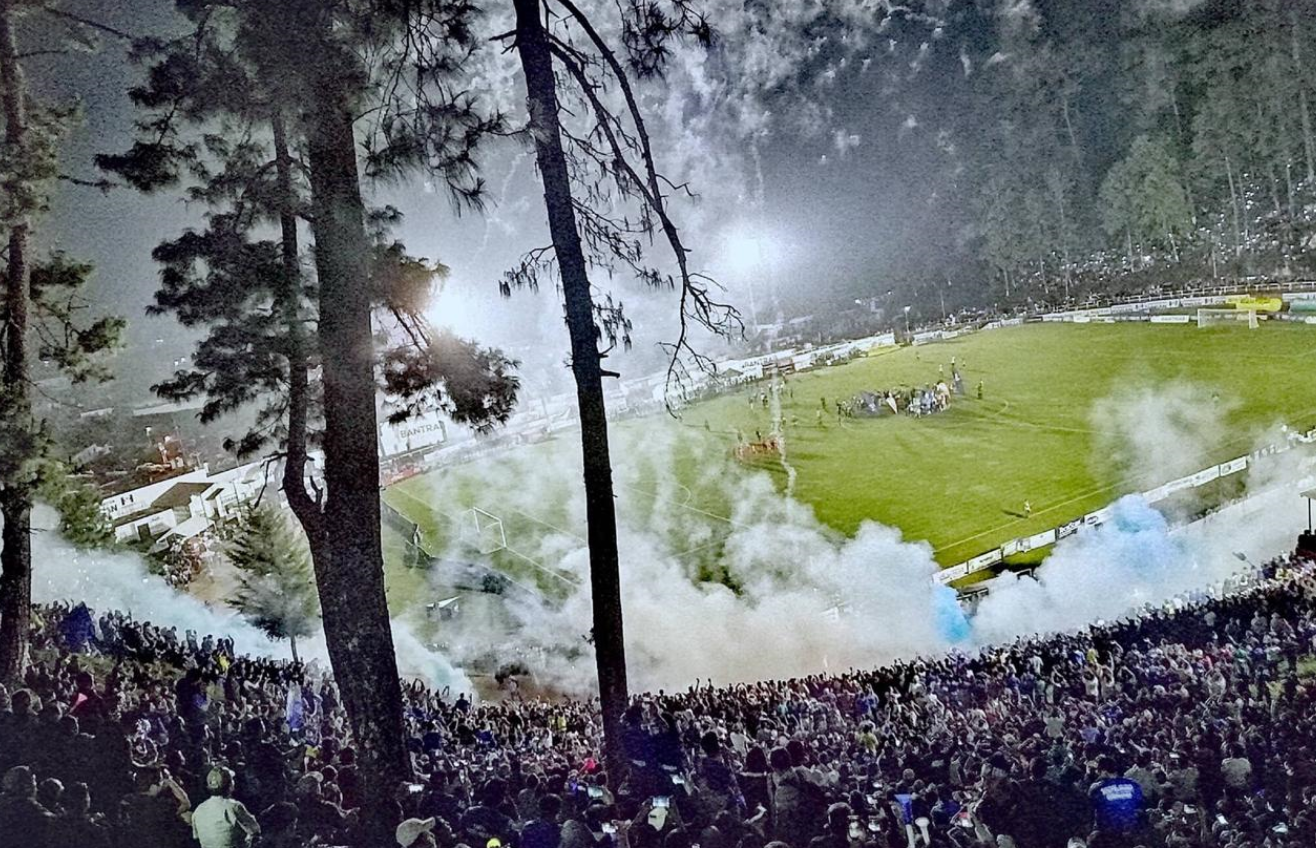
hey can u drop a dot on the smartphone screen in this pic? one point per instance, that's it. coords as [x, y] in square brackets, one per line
[906, 803]
[662, 801]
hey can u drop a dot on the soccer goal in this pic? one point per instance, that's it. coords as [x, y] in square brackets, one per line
[1219, 317]
[483, 531]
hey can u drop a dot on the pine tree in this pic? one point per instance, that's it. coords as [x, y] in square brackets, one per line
[276, 585]
[258, 107]
[1144, 200]
[40, 308]
[79, 505]
[609, 163]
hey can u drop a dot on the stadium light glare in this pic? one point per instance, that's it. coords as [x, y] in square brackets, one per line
[746, 253]
[453, 308]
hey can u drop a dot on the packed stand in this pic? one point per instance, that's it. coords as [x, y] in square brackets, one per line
[1191, 725]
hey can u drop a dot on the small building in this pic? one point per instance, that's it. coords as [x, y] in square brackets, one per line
[185, 505]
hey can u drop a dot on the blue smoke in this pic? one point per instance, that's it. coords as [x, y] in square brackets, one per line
[951, 622]
[1136, 541]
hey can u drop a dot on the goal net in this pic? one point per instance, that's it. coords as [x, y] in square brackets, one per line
[483, 531]
[1223, 317]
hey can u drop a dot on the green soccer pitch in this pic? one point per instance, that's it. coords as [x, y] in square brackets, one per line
[958, 479]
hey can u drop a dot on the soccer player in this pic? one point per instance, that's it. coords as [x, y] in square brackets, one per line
[1028, 509]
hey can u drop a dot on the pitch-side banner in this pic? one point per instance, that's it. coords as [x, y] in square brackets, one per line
[1260, 304]
[955, 572]
[1233, 466]
[1069, 528]
[1100, 516]
[1041, 540]
[1181, 484]
[423, 431]
[1160, 493]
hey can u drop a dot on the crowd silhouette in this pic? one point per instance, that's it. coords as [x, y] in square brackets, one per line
[1188, 724]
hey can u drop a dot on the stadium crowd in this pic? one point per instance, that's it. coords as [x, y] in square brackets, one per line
[1186, 726]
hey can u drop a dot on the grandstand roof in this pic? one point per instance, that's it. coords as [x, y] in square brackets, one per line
[179, 495]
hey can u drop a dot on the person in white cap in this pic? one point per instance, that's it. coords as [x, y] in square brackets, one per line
[416, 833]
[220, 821]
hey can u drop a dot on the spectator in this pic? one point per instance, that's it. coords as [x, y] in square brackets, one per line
[1236, 770]
[20, 813]
[543, 831]
[941, 737]
[1116, 801]
[220, 821]
[76, 825]
[416, 833]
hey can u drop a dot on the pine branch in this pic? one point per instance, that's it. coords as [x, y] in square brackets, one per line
[101, 185]
[87, 22]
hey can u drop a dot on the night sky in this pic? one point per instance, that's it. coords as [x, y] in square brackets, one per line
[844, 119]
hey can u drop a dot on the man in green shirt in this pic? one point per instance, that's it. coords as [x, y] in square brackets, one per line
[220, 821]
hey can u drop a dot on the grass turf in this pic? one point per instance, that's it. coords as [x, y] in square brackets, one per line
[958, 479]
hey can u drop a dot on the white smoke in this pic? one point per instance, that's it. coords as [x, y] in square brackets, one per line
[108, 581]
[1151, 434]
[1136, 559]
[692, 522]
[792, 573]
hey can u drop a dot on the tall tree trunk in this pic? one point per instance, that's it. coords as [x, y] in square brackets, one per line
[1304, 109]
[350, 569]
[1069, 130]
[16, 493]
[1292, 215]
[586, 366]
[289, 297]
[1064, 235]
[1239, 222]
[292, 646]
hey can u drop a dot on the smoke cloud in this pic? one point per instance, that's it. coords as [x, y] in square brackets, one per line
[120, 581]
[807, 599]
[727, 579]
[1152, 434]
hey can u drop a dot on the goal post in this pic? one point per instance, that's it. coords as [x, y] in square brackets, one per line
[1222, 317]
[483, 531]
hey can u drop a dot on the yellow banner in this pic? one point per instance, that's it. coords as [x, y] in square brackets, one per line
[1259, 304]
